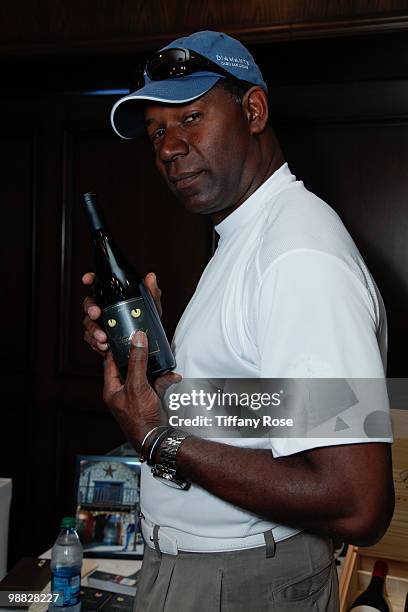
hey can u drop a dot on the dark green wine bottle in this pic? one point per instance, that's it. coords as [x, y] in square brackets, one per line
[373, 597]
[125, 301]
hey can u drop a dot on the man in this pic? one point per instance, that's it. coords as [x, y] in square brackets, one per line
[286, 295]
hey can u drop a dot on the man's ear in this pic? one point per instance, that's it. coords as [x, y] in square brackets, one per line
[255, 106]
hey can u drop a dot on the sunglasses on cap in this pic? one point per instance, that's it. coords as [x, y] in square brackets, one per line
[174, 63]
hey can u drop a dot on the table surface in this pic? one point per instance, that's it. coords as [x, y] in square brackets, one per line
[115, 566]
[123, 567]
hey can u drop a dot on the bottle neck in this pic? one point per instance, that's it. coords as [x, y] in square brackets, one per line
[115, 279]
[107, 255]
[93, 213]
[378, 577]
[106, 252]
[68, 530]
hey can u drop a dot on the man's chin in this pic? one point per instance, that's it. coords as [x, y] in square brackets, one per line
[195, 203]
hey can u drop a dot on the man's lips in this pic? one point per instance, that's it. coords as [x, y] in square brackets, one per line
[184, 179]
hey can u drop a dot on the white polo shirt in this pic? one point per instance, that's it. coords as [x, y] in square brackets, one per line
[286, 295]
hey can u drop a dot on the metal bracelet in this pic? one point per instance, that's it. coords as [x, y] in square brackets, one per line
[145, 438]
[144, 455]
[156, 442]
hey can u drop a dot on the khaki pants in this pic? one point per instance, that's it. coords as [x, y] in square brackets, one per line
[300, 576]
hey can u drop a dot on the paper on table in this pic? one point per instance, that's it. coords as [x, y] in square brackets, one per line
[124, 567]
[119, 567]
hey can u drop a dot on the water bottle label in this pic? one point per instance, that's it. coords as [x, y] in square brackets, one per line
[67, 587]
[121, 321]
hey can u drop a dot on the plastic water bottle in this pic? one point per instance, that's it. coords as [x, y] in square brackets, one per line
[66, 563]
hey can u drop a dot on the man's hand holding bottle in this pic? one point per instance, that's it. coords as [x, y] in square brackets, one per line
[135, 404]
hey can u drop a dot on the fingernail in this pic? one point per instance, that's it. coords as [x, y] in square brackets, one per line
[100, 336]
[139, 339]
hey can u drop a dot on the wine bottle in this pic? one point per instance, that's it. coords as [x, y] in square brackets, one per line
[125, 301]
[372, 599]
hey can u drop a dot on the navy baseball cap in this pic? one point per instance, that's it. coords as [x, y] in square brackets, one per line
[226, 52]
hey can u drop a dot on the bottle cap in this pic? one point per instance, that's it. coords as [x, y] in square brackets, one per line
[93, 212]
[68, 522]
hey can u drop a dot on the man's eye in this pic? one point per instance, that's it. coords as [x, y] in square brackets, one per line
[192, 117]
[156, 135]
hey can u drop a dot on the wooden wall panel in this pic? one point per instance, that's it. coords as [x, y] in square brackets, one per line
[15, 453]
[18, 160]
[17, 157]
[43, 26]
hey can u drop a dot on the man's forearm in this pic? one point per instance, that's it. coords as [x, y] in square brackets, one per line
[308, 490]
[284, 490]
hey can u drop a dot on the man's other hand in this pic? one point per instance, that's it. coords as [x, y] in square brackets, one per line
[93, 333]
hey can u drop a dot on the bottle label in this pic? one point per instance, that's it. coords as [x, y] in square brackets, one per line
[66, 582]
[121, 321]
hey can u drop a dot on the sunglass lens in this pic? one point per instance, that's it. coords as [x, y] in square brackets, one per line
[167, 64]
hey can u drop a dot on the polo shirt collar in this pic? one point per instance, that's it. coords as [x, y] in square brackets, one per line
[242, 215]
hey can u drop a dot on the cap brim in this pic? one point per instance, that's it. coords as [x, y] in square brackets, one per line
[127, 115]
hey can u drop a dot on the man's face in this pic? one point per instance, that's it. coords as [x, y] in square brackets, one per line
[202, 150]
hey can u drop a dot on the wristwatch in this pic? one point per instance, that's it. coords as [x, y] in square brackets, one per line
[165, 469]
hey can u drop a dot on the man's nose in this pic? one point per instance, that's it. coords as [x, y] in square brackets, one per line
[173, 145]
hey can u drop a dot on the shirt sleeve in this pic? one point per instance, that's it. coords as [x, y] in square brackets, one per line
[317, 320]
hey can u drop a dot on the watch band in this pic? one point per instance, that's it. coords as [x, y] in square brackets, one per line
[166, 469]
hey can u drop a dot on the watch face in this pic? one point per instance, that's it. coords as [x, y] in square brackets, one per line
[169, 479]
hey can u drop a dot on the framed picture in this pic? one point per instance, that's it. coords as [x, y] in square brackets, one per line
[107, 506]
